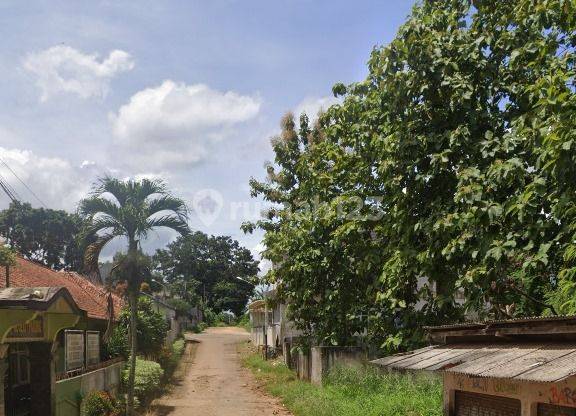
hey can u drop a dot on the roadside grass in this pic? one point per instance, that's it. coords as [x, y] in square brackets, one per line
[349, 392]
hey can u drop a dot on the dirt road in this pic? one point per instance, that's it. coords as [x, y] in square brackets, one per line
[214, 382]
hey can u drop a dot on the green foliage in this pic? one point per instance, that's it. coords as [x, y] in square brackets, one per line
[148, 378]
[7, 256]
[182, 307]
[201, 327]
[43, 235]
[452, 161]
[206, 267]
[151, 330]
[351, 392]
[244, 322]
[100, 403]
[170, 357]
[118, 345]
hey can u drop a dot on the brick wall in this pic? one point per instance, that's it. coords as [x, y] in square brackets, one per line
[552, 410]
[474, 404]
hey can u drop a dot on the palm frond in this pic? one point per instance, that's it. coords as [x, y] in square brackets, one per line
[166, 202]
[94, 205]
[148, 187]
[105, 224]
[92, 253]
[169, 221]
[114, 187]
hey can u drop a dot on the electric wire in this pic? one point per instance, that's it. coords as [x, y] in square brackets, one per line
[23, 183]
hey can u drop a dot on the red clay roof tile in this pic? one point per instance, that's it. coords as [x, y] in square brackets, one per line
[91, 298]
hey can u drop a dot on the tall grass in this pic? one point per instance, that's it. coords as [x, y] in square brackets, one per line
[351, 392]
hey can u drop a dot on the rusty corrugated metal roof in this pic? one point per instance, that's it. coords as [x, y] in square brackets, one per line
[511, 321]
[549, 362]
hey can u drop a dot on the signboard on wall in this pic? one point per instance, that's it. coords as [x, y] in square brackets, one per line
[92, 347]
[29, 331]
[74, 341]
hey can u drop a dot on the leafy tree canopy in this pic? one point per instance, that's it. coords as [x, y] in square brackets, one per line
[207, 267]
[42, 235]
[453, 162]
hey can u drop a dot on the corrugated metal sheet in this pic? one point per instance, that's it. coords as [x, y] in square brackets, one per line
[528, 361]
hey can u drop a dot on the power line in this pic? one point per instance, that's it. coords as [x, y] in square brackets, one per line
[9, 189]
[23, 183]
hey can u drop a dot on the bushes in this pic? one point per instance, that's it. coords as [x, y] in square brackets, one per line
[101, 403]
[350, 392]
[148, 377]
[170, 356]
[151, 328]
[244, 322]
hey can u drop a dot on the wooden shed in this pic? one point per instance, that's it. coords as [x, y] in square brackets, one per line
[521, 367]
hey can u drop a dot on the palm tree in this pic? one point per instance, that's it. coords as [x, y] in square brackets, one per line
[129, 209]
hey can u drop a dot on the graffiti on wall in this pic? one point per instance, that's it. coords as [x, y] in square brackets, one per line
[564, 396]
[488, 385]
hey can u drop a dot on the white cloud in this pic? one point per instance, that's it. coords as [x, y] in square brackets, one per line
[314, 105]
[57, 182]
[174, 125]
[264, 264]
[62, 69]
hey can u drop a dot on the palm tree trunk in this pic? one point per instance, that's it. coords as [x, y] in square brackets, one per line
[133, 294]
[133, 299]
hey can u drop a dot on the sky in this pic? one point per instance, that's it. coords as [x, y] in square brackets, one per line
[187, 91]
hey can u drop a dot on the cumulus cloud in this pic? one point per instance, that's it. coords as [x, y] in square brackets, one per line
[62, 69]
[265, 265]
[312, 106]
[174, 125]
[57, 182]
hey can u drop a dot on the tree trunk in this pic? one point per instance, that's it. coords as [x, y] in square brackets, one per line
[133, 299]
[133, 294]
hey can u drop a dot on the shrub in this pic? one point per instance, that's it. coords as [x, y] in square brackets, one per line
[99, 403]
[170, 357]
[148, 377]
[245, 323]
[151, 328]
[199, 328]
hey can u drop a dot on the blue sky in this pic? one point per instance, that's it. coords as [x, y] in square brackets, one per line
[190, 91]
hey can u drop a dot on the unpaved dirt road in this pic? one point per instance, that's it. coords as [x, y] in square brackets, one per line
[213, 382]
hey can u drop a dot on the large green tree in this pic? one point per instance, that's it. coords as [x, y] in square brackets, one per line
[130, 210]
[461, 138]
[208, 267]
[46, 236]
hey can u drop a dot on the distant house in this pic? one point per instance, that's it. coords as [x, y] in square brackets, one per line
[52, 327]
[269, 322]
[169, 313]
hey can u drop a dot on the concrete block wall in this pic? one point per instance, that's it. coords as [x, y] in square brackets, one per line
[324, 359]
[69, 392]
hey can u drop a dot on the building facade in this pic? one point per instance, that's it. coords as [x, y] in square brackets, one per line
[52, 327]
[523, 367]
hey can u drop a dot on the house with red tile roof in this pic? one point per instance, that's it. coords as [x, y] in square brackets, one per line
[52, 327]
[90, 297]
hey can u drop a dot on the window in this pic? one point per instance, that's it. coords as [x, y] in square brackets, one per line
[92, 347]
[74, 350]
